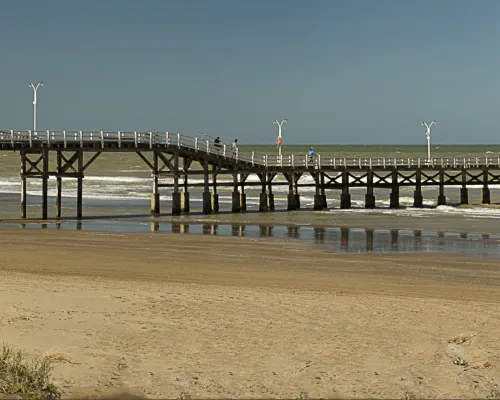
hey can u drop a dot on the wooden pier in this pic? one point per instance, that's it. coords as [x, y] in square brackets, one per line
[182, 157]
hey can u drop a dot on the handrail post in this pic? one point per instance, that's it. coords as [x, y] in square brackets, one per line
[237, 151]
[383, 162]
[178, 140]
[359, 162]
[135, 139]
[150, 139]
[48, 138]
[81, 139]
[418, 162]
[293, 160]
[102, 139]
[224, 150]
[119, 139]
[196, 144]
[12, 137]
[307, 161]
[64, 139]
[30, 138]
[334, 162]
[265, 160]
[167, 139]
[208, 146]
[319, 160]
[370, 163]
[253, 156]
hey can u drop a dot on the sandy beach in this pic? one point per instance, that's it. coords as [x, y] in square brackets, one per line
[180, 316]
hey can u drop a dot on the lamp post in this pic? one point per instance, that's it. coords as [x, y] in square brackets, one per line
[428, 134]
[35, 88]
[279, 139]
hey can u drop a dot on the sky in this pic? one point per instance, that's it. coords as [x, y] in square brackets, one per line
[341, 72]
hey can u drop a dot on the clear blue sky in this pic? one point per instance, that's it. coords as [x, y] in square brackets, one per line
[353, 71]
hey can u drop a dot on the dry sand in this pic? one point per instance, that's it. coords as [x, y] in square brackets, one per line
[174, 316]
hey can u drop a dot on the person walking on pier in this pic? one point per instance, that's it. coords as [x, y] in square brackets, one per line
[217, 143]
[234, 147]
[311, 153]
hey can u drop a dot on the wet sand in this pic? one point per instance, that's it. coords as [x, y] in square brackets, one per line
[179, 316]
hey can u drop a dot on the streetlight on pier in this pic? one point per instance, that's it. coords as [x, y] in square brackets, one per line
[279, 139]
[35, 88]
[428, 134]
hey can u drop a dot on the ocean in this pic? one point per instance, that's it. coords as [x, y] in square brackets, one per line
[117, 193]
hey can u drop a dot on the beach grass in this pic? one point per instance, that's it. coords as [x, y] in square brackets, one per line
[29, 379]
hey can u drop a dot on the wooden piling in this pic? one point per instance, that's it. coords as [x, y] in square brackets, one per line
[23, 185]
[270, 194]
[369, 196]
[394, 196]
[176, 195]
[79, 187]
[155, 196]
[45, 183]
[417, 194]
[263, 205]
[486, 189]
[441, 198]
[345, 197]
[236, 195]
[215, 196]
[207, 196]
[292, 198]
[59, 185]
[464, 193]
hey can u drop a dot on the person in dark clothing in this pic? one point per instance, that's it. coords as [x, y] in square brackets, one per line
[217, 143]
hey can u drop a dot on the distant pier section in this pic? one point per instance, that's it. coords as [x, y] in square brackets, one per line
[182, 157]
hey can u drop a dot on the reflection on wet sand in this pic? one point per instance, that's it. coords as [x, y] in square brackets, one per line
[339, 239]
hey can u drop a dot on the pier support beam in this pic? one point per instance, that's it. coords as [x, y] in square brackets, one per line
[394, 197]
[236, 195]
[45, 183]
[369, 196]
[176, 195]
[243, 198]
[322, 189]
[59, 186]
[418, 199]
[263, 199]
[23, 185]
[345, 197]
[464, 193]
[441, 198]
[270, 196]
[292, 197]
[185, 206]
[215, 196]
[207, 196]
[155, 197]
[79, 187]
[486, 190]
[319, 198]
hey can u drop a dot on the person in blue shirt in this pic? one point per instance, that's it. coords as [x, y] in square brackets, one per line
[311, 154]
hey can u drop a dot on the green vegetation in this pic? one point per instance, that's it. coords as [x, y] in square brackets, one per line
[29, 379]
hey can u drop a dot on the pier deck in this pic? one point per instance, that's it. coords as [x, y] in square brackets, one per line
[180, 157]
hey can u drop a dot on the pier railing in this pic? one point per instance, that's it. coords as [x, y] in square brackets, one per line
[153, 140]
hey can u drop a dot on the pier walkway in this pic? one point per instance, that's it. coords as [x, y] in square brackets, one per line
[180, 156]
